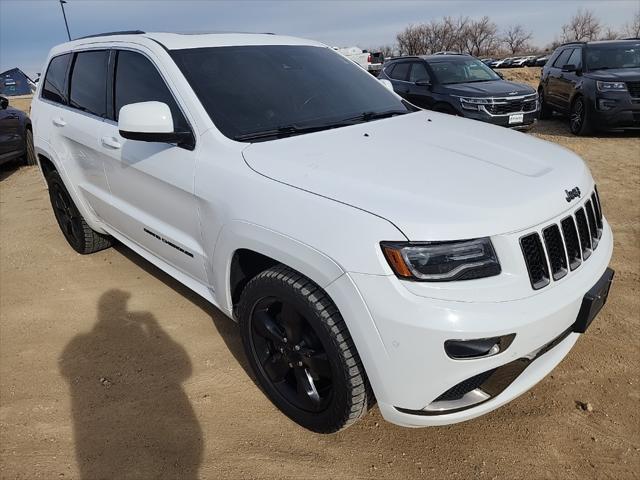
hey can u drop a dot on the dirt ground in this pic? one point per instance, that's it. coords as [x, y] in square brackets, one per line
[111, 369]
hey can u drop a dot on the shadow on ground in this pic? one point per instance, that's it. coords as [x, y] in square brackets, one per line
[131, 417]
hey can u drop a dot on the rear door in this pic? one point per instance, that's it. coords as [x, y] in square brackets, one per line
[555, 86]
[152, 184]
[76, 111]
[398, 77]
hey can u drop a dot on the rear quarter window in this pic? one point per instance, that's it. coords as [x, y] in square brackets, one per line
[88, 82]
[53, 87]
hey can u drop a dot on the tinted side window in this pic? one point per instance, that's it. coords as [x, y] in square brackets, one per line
[138, 80]
[53, 88]
[88, 85]
[401, 70]
[418, 72]
[561, 61]
[575, 58]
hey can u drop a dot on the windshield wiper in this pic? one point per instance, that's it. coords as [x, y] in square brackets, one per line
[289, 130]
[279, 132]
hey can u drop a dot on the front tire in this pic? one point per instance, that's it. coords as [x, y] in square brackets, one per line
[579, 121]
[301, 351]
[72, 224]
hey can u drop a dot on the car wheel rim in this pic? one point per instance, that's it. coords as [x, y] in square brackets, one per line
[290, 355]
[69, 222]
[577, 116]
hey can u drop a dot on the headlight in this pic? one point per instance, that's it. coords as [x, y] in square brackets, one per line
[474, 103]
[442, 261]
[611, 86]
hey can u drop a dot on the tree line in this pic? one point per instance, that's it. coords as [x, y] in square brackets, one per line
[482, 37]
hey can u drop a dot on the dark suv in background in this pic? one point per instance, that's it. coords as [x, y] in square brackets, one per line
[462, 85]
[596, 83]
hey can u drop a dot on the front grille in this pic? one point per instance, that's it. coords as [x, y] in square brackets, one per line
[634, 89]
[555, 249]
[507, 106]
[569, 243]
[535, 259]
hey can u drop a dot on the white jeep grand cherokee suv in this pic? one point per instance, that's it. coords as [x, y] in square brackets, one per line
[370, 251]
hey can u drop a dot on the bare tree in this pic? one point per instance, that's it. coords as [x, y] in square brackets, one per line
[516, 39]
[632, 28]
[480, 37]
[411, 40]
[583, 26]
[609, 34]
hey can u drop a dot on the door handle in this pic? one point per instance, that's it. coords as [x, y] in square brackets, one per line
[111, 142]
[58, 122]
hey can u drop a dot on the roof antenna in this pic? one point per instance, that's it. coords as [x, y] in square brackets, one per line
[62, 2]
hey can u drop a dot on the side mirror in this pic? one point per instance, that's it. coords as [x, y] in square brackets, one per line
[4, 103]
[151, 122]
[423, 83]
[387, 84]
[569, 68]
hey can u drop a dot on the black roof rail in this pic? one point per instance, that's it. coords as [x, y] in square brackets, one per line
[575, 42]
[630, 38]
[107, 34]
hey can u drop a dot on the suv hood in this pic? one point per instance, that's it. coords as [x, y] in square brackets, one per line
[615, 75]
[500, 88]
[435, 176]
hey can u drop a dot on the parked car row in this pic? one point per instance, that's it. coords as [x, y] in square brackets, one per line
[515, 62]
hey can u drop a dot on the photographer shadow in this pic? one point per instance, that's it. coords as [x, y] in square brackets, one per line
[131, 417]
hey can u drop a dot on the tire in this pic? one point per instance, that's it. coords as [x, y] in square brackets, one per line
[73, 226]
[301, 352]
[545, 112]
[579, 121]
[29, 150]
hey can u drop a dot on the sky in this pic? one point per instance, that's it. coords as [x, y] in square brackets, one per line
[29, 28]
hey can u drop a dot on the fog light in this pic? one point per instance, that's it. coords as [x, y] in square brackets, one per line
[606, 104]
[477, 348]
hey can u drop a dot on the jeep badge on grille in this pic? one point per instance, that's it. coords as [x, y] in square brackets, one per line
[573, 193]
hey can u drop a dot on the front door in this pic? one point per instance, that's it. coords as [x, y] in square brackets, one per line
[152, 184]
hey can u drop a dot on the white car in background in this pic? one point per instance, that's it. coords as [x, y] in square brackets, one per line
[370, 251]
[370, 61]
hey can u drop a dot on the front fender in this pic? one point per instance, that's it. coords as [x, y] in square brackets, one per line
[239, 234]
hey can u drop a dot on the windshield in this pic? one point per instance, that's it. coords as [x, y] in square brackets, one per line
[603, 57]
[270, 91]
[462, 70]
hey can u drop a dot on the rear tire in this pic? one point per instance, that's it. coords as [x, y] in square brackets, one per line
[546, 112]
[73, 226]
[29, 150]
[301, 351]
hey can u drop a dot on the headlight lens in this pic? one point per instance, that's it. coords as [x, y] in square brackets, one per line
[471, 103]
[442, 261]
[611, 86]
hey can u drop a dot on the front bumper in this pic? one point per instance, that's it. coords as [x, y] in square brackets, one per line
[623, 112]
[528, 118]
[400, 336]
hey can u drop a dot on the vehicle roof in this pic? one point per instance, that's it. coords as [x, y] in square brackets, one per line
[177, 41]
[604, 42]
[438, 57]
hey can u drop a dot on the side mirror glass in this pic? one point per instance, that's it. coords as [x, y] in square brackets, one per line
[150, 122]
[423, 83]
[4, 103]
[569, 68]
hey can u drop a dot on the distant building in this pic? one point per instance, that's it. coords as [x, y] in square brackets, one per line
[15, 82]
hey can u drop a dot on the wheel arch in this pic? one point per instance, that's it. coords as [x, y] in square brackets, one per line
[246, 249]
